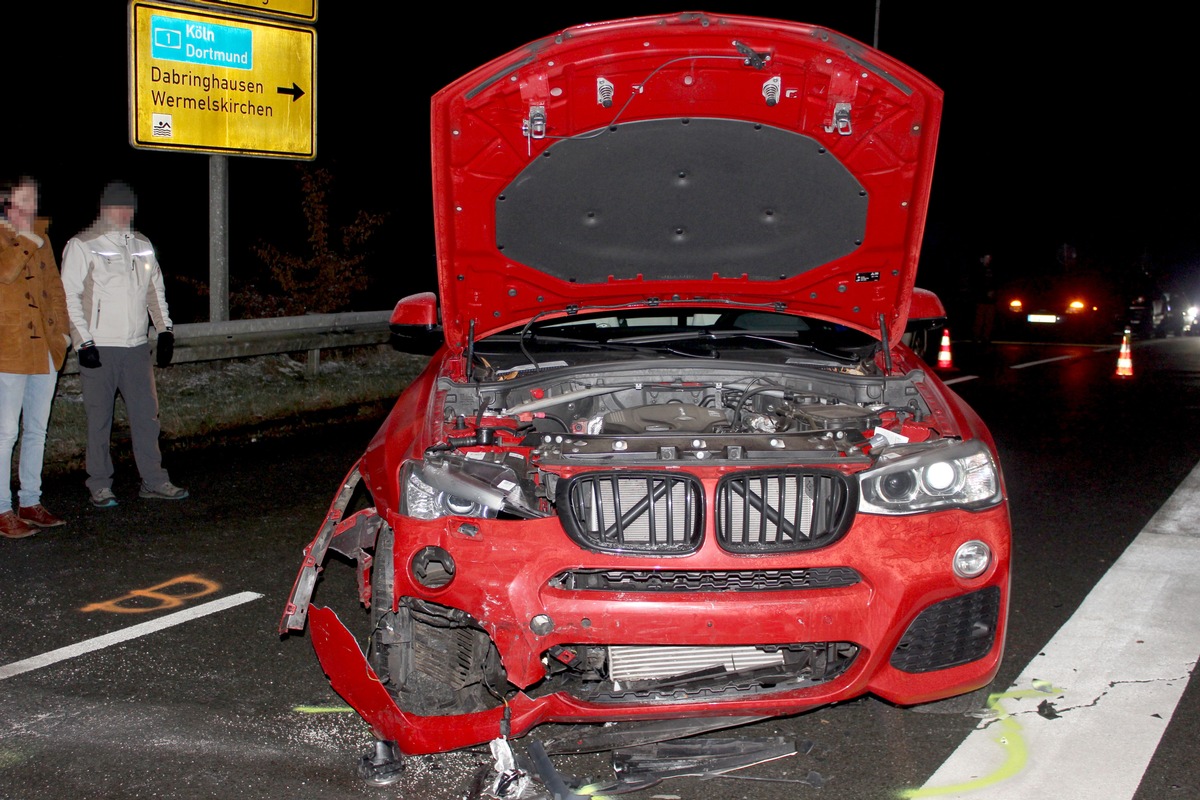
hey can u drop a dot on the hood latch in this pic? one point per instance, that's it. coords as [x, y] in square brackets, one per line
[841, 120]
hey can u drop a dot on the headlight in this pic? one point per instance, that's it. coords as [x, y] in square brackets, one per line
[957, 476]
[421, 499]
[450, 484]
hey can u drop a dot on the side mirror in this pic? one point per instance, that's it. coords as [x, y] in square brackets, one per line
[926, 310]
[416, 309]
[414, 324]
[925, 314]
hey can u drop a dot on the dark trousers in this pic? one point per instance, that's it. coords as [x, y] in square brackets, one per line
[126, 370]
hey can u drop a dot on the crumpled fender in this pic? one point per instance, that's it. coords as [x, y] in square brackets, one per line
[352, 677]
[350, 537]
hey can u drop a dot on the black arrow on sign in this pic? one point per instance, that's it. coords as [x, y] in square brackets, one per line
[296, 92]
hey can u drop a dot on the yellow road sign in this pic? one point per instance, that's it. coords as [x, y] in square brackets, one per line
[295, 9]
[221, 83]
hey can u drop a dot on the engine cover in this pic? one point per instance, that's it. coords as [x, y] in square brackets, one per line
[665, 418]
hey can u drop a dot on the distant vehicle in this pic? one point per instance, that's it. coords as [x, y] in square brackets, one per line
[1157, 313]
[1061, 305]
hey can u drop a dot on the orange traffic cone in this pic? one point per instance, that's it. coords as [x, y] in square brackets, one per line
[1125, 358]
[944, 361]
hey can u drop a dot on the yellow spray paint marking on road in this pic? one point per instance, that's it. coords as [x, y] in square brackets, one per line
[590, 789]
[141, 601]
[323, 709]
[1008, 737]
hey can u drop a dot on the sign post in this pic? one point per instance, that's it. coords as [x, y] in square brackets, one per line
[213, 82]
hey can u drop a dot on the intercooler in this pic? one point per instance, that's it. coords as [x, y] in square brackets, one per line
[632, 663]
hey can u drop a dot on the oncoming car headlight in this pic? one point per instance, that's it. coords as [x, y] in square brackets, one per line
[959, 476]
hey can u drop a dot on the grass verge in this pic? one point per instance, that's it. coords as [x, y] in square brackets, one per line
[205, 402]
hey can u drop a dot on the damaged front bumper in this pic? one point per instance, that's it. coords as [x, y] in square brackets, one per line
[846, 640]
[351, 537]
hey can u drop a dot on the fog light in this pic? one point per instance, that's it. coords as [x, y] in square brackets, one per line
[972, 559]
[433, 567]
[541, 625]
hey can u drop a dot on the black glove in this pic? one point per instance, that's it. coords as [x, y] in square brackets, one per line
[89, 355]
[165, 349]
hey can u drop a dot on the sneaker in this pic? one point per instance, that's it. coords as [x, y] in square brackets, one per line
[104, 498]
[168, 491]
[39, 517]
[11, 526]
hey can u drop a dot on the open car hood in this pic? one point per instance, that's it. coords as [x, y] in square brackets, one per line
[687, 158]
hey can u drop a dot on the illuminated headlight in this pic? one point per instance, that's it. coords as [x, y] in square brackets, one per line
[958, 476]
[972, 559]
[421, 500]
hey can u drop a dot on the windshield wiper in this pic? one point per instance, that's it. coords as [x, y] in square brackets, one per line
[631, 344]
[679, 336]
[532, 338]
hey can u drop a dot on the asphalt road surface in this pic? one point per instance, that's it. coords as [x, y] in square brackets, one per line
[139, 656]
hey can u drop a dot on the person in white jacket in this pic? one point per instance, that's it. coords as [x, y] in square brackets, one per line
[114, 290]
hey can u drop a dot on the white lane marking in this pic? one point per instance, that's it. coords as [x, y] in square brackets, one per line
[124, 635]
[1067, 357]
[1123, 660]
[1042, 361]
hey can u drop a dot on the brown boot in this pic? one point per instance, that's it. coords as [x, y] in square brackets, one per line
[11, 526]
[39, 517]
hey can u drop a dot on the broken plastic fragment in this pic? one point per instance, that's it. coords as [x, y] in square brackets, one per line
[383, 765]
[510, 781]
[589, 739]
[639, 767]
[1047, 710]
[552, 779]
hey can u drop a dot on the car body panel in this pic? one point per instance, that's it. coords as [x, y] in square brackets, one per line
[649, 475]
[678, 187]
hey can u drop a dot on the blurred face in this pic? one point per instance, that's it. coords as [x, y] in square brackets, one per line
[24, 200]
[120, 216]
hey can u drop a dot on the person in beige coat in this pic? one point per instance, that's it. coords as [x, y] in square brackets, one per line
[34, 336]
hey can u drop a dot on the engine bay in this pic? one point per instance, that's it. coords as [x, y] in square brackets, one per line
[670, 414]
[507, 443]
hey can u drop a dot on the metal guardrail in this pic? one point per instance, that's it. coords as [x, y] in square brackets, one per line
[311, 333]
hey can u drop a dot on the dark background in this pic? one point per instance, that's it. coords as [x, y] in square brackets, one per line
[1063, 125]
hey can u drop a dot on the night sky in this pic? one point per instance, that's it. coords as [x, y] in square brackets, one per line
[1061, 125]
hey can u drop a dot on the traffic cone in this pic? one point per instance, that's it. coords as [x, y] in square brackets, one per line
[944, 361]
[1125, 358]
